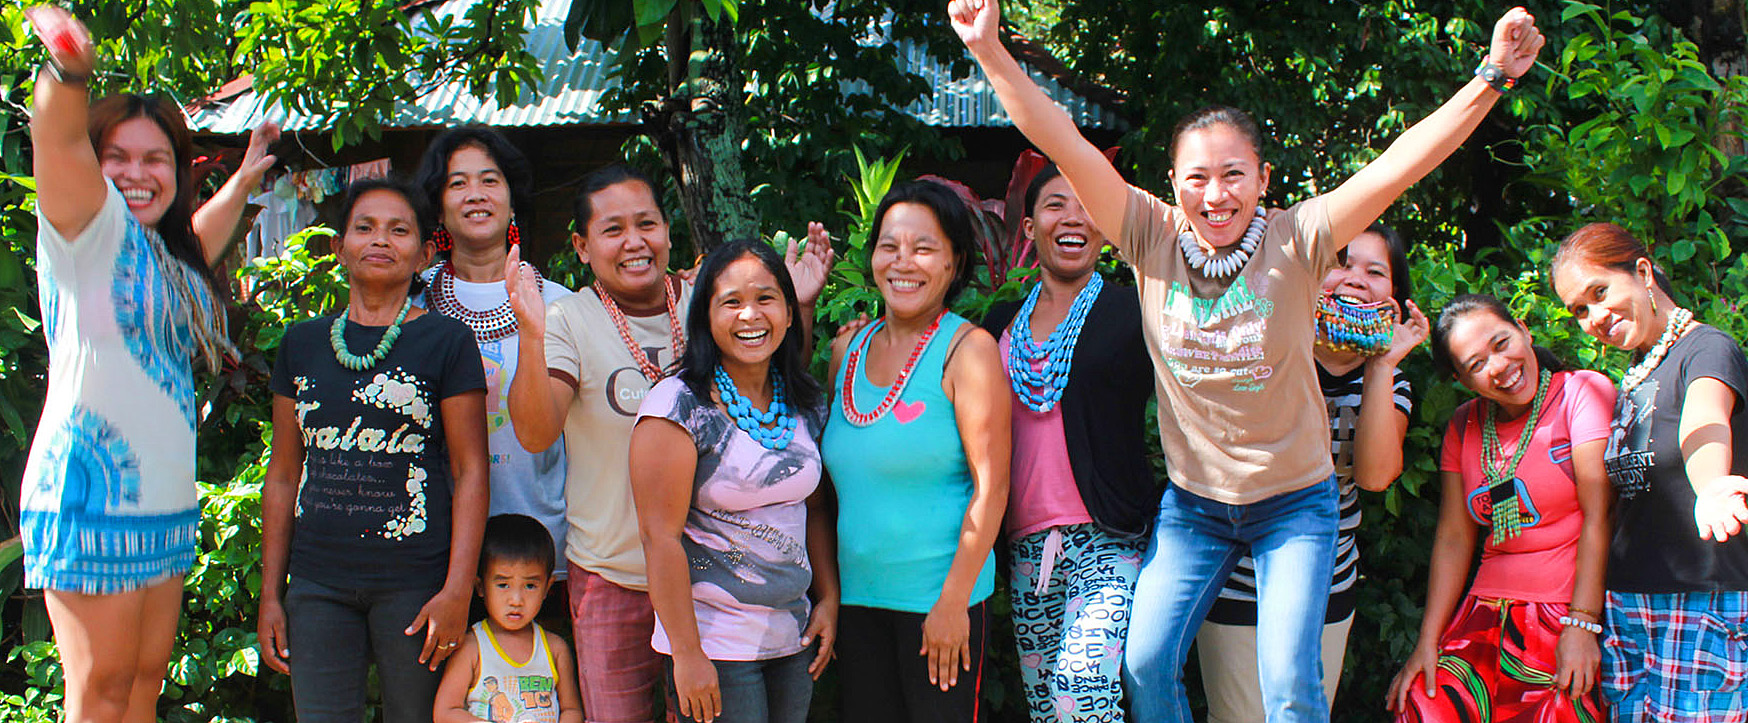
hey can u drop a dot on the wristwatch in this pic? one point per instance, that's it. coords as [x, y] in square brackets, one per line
[1494, 75]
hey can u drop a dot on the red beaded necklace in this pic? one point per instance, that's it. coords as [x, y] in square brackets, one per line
[487, 326]
[650, 371]
[896, 390]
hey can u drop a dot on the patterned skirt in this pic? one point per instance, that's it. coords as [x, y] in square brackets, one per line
[1497, 662]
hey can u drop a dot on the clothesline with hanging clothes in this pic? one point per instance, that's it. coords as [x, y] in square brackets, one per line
[288, 204]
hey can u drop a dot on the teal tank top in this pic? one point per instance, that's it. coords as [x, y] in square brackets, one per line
[902, 485]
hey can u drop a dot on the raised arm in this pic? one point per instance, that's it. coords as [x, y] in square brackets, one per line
[536, 398]
[1362, 199]
[1102, 190]
[69, 180]
[216, 220]
[1378, 435]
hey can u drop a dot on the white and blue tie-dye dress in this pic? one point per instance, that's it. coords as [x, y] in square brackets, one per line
[109, 501]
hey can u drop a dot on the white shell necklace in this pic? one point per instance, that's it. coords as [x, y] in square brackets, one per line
[1228, 264]
[1679, 320]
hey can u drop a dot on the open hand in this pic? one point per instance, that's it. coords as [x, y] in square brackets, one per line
[696, 687]
[822, 624]
[809, 267]
[523, 286]
[1516, 40]
[443, 620]
[1422, 665]
[256, 160]
[1721, 507]
[68, 42]
[1409, 332]
[1578, 661]
[946, 644]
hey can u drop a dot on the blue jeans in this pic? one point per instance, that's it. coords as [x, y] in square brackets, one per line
[335, 634]
[1196, 543]
[778, 690]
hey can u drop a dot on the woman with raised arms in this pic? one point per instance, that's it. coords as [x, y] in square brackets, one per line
[1227, 291]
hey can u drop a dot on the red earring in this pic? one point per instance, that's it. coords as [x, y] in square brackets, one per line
[514, 234]
[442, 239]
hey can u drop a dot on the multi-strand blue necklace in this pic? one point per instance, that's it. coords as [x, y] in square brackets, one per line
[1037, 371]
[772, 428]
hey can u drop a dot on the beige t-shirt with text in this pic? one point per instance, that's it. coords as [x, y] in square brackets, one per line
[583, 344]
[1240, 414]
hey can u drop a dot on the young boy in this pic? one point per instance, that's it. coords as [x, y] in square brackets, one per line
[484, 681]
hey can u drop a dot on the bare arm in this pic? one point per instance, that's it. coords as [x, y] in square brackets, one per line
[444, 618]
[570, 698]
[1452, 549]
[1577, 655]
[216, 220]
[822, 554]
[278, 500]
[537, 399]
[1706, 447]
[1102, 191]
[809, 269]
[459, 677]
[1362, 199]
[661, 485]
[1377, 452]
[70, 183]
[975, 383]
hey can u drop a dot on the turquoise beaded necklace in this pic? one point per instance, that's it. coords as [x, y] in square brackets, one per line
[337, 337]
[772, 428]
[1039, 371]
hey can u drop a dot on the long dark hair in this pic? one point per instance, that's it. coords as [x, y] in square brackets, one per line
[433, 173]
[177, 225]
[950, 212]
[1465, 305]
[698, 363]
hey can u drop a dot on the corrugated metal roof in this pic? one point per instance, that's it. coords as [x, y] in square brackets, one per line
[571, 91]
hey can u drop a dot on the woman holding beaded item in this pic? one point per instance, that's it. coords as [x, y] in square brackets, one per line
[375, 495]
[737, 534]
[1366, 324]
[481, 186]
[586, 363]
[1677, 594]
[916, 528]
[1524, 464]
[1082, 492]
[109, 514]
[1227, 291]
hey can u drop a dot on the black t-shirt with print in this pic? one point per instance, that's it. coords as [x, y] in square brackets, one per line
[1656, 546]
[373, 511]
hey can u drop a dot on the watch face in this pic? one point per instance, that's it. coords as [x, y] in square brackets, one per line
[1490, 73]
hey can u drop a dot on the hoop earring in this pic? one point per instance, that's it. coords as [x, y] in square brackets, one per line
[514, 234]
[442, 239]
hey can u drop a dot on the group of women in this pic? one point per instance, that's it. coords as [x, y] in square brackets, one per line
[727, 519]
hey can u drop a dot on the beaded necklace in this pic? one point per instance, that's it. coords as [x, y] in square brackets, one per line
[337, 338]
[1229, 264]
[1347, 326]
[1679, 320]
[772, 428]
[644, 364]
[1039, 371]
[1502, 480]
[491, 325]
[892, 394]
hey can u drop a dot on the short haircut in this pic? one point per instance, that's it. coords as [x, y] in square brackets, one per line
[950, 211]
[516, 538]
[433, 174]
[598, 180]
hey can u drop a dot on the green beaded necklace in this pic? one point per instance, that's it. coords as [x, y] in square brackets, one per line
[337, 337]
[1501, 481]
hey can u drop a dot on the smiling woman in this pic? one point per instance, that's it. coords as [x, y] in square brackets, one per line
[375, 494]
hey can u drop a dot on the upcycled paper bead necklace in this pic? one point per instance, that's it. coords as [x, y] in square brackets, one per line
[644, 364]
[487, 325]
[897, 389]
[1679, 320]
[1502, 480]
[1039, 371]
[337, 337]
[1348, 326]
[1232, 261]
[772, 428]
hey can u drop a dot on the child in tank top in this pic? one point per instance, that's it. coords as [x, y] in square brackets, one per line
[510, 670]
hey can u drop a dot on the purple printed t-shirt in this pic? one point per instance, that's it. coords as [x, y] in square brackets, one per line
[1540, 563]
[746, 534]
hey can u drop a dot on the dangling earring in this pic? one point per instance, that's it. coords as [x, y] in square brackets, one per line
[442, 239]
[514, 234]
[1653, 297]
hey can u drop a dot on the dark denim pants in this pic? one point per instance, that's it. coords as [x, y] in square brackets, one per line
[337, 633]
